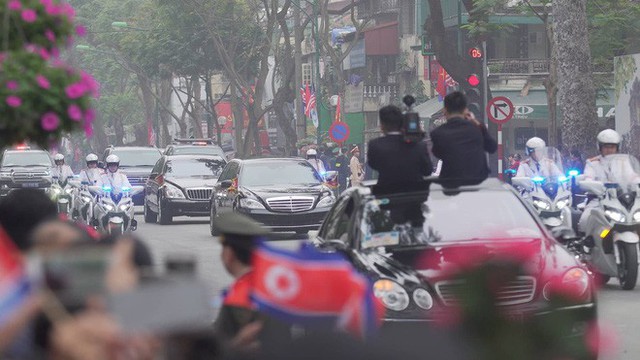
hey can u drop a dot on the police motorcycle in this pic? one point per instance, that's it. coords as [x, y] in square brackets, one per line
[84, 202]
[549, 191]
[62, 192]
[113, 213]
[611, 228]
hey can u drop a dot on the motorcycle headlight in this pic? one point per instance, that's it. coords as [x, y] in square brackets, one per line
[69, 191]
[56, 191]
[423, 299]
[636, 216]
[541, 204]
[393, 296]
[125, 207]
[574, 283]
[108, 207]
[86, 198]
[563, 203]
[250, 204]
[615, 215]
[327, 201]
[173, 191]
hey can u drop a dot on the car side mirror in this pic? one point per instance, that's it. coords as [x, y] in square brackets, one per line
[522, 182]
[225, 184]
[593, 187]
[564, 234]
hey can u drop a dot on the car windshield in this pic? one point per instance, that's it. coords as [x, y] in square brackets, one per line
[26, 158]
[279, 173]
[195, 167]
[141, 157]
[197, 150]
[465, 216]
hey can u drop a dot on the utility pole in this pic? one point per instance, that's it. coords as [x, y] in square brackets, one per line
[300, 116]
[238, 120]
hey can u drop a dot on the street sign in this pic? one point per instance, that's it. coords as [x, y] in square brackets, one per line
[427, 48]
[339, 132]
[500, 110]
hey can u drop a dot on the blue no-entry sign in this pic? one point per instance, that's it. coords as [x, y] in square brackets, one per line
[339, 132]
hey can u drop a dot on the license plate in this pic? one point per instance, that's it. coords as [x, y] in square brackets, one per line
[30, 185]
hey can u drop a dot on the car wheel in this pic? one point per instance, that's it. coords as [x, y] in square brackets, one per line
[212, 215]
[165, 217]
[149, 216]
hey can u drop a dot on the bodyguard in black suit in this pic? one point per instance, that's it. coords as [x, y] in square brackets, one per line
[461, 144]
[401, 165]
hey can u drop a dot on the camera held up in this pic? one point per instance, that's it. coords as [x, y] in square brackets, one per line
[411, 121]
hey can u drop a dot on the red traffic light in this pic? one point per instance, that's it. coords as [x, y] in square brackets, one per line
[473, 80]
[475, 53]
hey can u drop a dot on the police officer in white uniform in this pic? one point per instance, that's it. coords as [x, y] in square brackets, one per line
[61, 171]
[113, 176]
[92, 174]
[534, 165]
[312, 158]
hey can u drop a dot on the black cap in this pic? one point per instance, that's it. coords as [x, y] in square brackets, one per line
[232, 223]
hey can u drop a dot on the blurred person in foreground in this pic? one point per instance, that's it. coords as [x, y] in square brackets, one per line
[461, 143]
[401, 165]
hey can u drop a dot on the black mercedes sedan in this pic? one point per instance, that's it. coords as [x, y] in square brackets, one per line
[409, 243]
[181, 185]
[284, 194]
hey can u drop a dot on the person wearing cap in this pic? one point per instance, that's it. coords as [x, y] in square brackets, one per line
[357, 172]
[312, 159]
[238, 235]
[62, 171]
[341, 165]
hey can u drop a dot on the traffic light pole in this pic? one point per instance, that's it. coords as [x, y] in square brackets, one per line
[485, 83]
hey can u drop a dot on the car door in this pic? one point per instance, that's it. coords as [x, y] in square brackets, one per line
[152, 187]
[224, 190]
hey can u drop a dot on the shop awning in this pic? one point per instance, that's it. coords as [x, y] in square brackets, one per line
[382, 40]
[534, 105]
[428, 108]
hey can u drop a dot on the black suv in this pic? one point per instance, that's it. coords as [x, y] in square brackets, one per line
[194, 147]
[136, 162]
[25, 168]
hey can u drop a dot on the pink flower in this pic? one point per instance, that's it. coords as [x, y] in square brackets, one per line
[76, 90]
[55, 53]
[13, 101]
[50, 121]
[68, 10]
[89, 115]
[81, 30]
[50, 35]
[15, 5]
[43, 82]
[44, 54]
[12, 85]
[51, 9]
[75, 113]
[45, 2]
[88, 129]
[29, 15]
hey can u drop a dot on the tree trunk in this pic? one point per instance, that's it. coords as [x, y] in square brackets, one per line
[147, 98]
[576, 89]
[196, 108]
[551, 85]
[118, 129]
[165, 117]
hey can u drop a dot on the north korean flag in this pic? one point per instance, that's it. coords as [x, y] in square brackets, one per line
[314, 289]
[14, 285]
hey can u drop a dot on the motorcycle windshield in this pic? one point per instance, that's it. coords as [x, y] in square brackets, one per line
[623, 170]
[547, 165]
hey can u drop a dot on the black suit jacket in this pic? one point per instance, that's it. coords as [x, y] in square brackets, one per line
[461, 145]
[401, 166]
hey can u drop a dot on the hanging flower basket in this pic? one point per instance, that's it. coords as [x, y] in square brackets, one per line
[41, 98]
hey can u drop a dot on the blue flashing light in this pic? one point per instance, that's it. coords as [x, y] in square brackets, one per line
[574, 172]
[538, 179]
[106, 188]
[126, 188]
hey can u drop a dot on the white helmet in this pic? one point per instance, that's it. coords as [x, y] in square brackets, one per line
[91, 158]
[312, 152]
[608, 136]
[112, 159]
[58, 157]
[534, 143]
